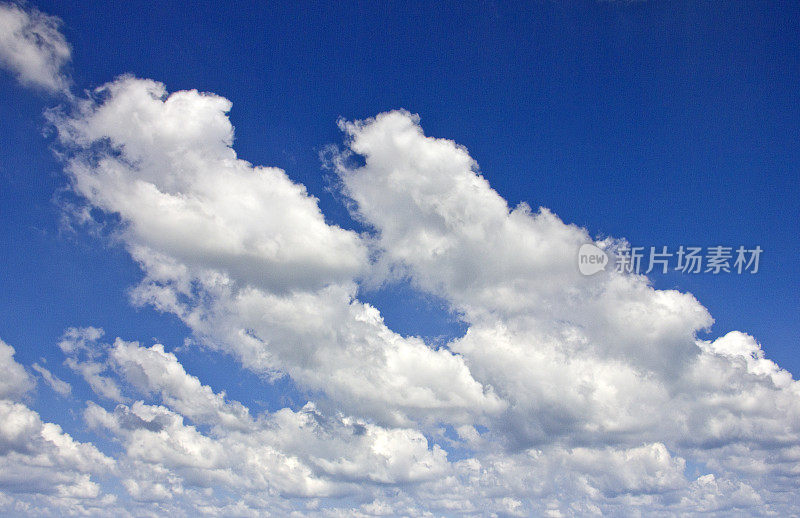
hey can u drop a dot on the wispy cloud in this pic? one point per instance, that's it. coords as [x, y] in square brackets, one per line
[58, 385]
[33, 48]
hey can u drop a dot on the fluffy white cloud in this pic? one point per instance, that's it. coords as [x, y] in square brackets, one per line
[199, 445]
[292, 454]
[440, 223]
[153, 370]
[15, 382]
[41, 467]
[175, 181]
[244, 256]
[33, 48]
[604, 361]
[566, 395]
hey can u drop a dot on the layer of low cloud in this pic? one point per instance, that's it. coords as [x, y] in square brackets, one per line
[33, 48]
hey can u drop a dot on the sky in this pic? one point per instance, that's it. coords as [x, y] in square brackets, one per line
[323, 260]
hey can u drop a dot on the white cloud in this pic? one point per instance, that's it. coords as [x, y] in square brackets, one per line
[83, 357]
[40, 465]
[15, 381]
[77, 339]
[244, 256]
[153, 370]
[567, 394]
[440, 222]
[59, 386]
[33, 48]
[604, 360]
[294, 454]
[183, 193]
[169, 462]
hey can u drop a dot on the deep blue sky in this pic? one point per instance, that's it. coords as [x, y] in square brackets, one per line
[667, 123]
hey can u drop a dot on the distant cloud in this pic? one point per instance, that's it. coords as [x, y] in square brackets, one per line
[61, 387]
[14, 382]
[80, 347]
[33, 48]
[38, 459]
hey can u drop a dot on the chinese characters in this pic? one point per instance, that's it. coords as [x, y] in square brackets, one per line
[688, 259]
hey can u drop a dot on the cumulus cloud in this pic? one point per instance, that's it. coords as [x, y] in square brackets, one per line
[566, 395]
[244, 256]
[41, 467]
[303, 453]
[601, 361]
[193, 448]
[33, 48]
[15, 382]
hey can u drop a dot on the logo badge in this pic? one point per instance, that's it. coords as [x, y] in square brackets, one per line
[591, 259]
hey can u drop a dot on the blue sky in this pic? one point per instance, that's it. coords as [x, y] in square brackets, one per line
[664, 123]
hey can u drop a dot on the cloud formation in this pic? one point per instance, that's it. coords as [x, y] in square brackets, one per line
[43, 469]
[196, 439]
[61, 387]
[566, 395]
[245, 258]
[33, 48]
